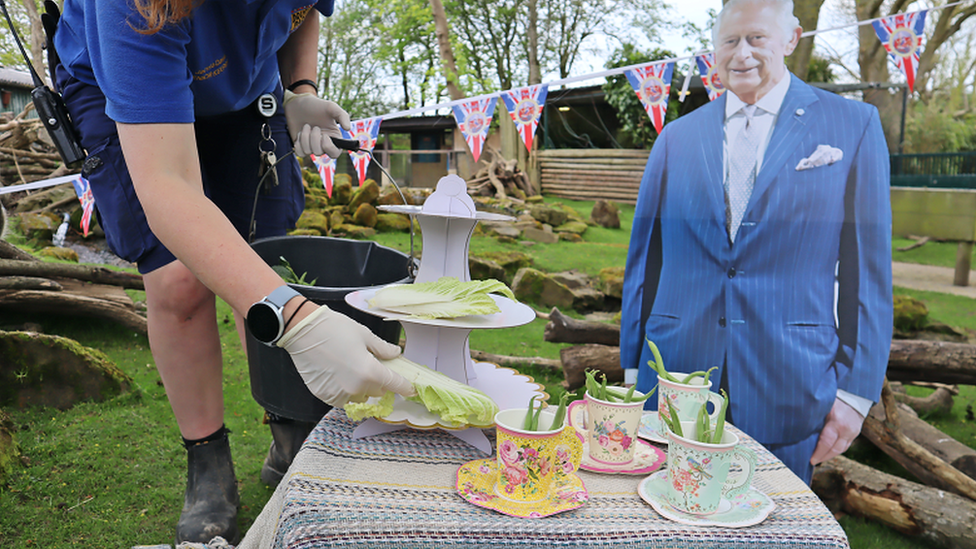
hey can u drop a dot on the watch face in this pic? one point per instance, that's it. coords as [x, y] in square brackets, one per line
[263, 322]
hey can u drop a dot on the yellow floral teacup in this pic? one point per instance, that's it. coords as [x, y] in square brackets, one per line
[531, 463]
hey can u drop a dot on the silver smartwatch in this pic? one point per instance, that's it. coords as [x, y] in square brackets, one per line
[264, 318]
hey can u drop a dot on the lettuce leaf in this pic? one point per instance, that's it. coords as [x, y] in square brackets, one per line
[446, 297]
[456, 403]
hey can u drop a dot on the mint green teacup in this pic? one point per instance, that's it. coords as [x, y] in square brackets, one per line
[698, 472]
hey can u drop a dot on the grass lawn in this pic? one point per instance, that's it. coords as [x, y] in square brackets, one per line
[111, 474]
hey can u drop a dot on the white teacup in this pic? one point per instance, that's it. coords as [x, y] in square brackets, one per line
[698, 472]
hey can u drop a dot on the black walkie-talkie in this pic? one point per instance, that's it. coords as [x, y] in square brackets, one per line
[51, 110]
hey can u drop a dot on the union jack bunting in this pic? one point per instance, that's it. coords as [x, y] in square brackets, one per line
[474, 120]
[652, 82]
[901, 36]
[326, 167]
[709, 75]
[365, 131]
[525, 106]
[83, 190]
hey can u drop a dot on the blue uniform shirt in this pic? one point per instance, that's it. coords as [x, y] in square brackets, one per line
[218, 60]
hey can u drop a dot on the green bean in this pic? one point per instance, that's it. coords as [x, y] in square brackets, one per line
[603, 388]
[658, 363]
[720, 422]
[630, 393]
[675, 420]
[527, 423]
[592, 386]
[703, 424]
[560, 417]
[699, 373]
[646, 396]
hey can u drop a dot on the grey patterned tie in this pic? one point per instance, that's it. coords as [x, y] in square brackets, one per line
[742, 172]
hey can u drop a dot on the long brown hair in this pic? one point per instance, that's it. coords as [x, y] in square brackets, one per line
[159, 13]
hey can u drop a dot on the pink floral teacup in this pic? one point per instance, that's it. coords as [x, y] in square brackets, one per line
[698, 472]
[531, 463]
[609, 428]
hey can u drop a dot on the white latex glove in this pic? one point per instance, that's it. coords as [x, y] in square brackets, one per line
[842, 427]
[335, 357]
[313, 122]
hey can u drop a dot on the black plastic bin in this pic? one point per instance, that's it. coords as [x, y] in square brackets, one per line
[338, 266]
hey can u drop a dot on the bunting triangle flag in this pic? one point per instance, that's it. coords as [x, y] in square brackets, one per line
[326, 167]
[474, 120]
[83, 190]
[652, 82]
[365, 131]
[901, 35]
[709, 75]
[525, 106]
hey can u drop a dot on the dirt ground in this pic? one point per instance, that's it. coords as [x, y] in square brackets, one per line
[930, 278]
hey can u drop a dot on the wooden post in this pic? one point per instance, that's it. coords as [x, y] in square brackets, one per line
[964, 255]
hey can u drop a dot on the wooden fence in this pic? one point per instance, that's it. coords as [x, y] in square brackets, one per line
[590, 174]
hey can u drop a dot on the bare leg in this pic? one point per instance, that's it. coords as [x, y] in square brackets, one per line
[185, 344]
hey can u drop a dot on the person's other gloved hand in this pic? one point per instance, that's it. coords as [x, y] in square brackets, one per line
[313, 122]
[335, 357]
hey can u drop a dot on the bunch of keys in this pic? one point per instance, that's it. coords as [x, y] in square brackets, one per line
[269, 160]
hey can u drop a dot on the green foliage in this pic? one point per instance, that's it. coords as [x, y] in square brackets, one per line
[935, 127]
[819, 70]
[637, 129]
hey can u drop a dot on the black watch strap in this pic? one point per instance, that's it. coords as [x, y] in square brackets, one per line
[295, 84]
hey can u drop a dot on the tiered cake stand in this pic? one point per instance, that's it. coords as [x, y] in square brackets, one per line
[447, 220]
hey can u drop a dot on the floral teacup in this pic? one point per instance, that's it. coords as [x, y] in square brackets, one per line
[610, 428]
[531, 463]
[698, 472]
[686, 399]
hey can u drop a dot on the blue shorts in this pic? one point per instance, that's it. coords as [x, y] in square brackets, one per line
[228, 146]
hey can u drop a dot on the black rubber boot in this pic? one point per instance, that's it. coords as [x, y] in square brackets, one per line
[287, 438]
[211, 500]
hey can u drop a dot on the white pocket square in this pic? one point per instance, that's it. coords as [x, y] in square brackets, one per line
[823, 156]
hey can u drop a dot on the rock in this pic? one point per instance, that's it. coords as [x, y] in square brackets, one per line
[482, 269]
[535, 286]
[47, 370]
[569, 237]
[612, 281]
[587, 299]
[304, 232]
[540, 235]
[367, 193]
[911, 315]
[39, 226]
[313, 220]
[353, 231]
[8, 446]
[365, 215]
[38, 200]
[64, 254]
[537, 199]
[389, 196]
[548, 214]
[341, 190]
[503, 229]
[510, 261]
[605, 214]
[575, 227]
[571, 279]
[392, 222]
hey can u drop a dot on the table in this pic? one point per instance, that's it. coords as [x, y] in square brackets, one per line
[396, 490]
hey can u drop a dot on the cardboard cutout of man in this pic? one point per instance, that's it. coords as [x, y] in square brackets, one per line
[761, 244]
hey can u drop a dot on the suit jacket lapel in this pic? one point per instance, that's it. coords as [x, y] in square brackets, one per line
[712, 137]
[790, 128]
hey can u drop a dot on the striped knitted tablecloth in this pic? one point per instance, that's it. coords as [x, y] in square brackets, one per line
[397, 490]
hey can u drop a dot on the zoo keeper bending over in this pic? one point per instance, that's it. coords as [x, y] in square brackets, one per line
[165, 96]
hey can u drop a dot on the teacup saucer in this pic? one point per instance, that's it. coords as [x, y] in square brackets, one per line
[476, 482]
[649, 426]
[647, 459]
[743, 510]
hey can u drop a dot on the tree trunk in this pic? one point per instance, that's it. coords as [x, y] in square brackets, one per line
[945, 520]
[77, 299]
[512, 361]
[873, 64]
[808, 12]
[940, 361]
[443, 32]
[28, 283]
[938, 402]
[563, 329]
[886, 433]
[89, 273]
[532, 37]
[37, 38]
[580, 358]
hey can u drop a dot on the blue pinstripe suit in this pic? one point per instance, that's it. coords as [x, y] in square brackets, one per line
[764, 306]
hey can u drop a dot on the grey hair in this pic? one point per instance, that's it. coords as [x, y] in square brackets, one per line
[784, 16]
